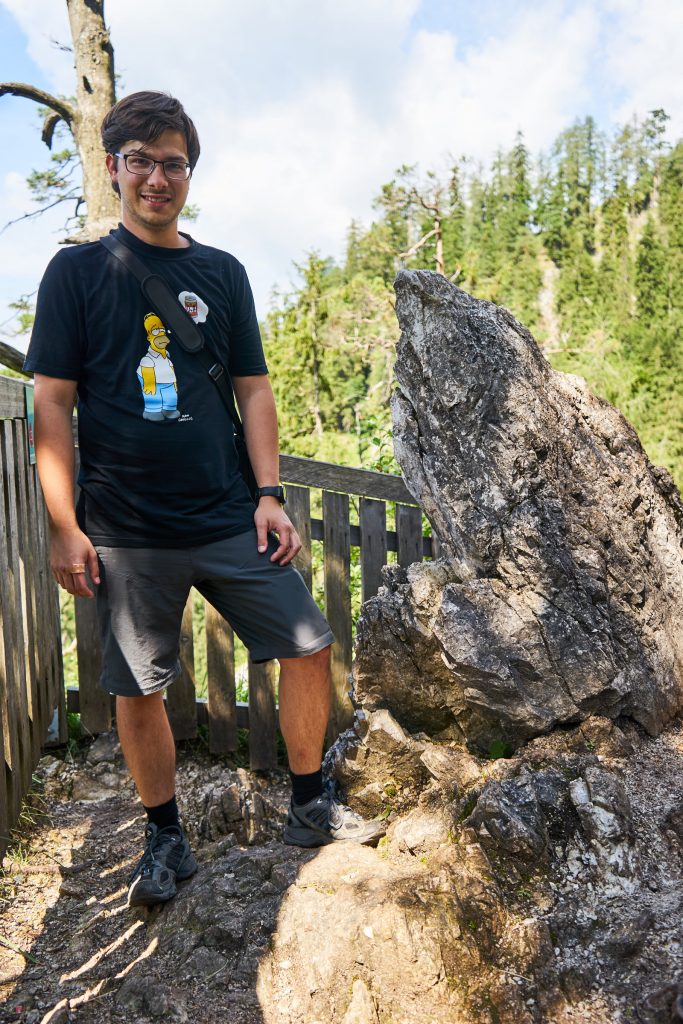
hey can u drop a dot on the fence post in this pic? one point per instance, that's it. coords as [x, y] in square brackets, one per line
[337, 558]
[181, 703]
[373, 545]
[220, 671]
[94, 704]
[409, 531]
[299, 511]
[262, 723]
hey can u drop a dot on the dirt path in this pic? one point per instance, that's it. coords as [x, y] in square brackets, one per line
[69, 941]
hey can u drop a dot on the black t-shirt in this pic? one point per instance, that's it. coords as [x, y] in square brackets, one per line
[158, 461]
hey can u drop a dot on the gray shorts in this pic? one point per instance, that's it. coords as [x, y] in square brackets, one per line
[143, 591]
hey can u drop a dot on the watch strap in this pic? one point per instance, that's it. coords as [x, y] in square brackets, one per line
[272, 492]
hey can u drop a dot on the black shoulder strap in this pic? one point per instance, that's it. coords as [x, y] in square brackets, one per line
[184, 330]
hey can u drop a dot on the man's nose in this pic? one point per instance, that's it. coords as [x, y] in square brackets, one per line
[156, 176]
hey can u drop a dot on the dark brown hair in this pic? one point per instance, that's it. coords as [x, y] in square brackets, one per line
[144, 116]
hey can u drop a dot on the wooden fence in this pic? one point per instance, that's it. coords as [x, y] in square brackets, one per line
[31, 677]
[31, 672]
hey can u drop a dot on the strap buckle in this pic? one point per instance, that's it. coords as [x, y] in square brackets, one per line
[216, 372]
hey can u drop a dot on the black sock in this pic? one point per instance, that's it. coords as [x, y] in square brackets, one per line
[306, 787]
[164, 815]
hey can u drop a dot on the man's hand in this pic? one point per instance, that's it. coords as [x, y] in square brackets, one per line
[71, 553]
[270, 516]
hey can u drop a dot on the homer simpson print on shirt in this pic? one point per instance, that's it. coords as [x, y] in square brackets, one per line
[157, 376]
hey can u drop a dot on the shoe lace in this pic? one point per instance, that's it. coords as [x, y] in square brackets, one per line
[155, 842]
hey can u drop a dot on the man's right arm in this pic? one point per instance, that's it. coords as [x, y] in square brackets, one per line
[54, 400]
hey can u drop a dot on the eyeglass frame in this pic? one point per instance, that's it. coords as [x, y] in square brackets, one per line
[161, 163]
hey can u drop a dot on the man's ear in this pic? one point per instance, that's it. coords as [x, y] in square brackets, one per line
[111, 162]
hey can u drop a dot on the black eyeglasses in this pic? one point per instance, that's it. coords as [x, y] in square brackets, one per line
[136, 163]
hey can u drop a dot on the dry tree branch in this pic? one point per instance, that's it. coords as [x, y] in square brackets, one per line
[37, 213]
[45, 99]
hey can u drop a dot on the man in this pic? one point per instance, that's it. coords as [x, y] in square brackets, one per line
[163, 506]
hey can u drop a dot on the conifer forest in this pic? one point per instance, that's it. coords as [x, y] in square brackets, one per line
[583, 244]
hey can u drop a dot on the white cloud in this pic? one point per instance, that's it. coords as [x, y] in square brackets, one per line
[305, 108]
[46, 26]
[643, 59]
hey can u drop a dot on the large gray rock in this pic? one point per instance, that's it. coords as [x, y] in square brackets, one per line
[560, 593]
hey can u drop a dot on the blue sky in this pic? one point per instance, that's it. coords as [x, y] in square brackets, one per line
[305, 107]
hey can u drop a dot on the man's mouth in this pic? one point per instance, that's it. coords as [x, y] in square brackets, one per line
[155, 200]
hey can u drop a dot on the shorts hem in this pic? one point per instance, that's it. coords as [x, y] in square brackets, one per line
[147, 692]
[319, 644]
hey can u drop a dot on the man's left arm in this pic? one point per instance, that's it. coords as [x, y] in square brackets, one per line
[256, 404]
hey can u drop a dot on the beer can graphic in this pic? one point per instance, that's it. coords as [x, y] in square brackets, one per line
[194, 305]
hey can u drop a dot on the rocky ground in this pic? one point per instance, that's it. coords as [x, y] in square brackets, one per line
[467, 918]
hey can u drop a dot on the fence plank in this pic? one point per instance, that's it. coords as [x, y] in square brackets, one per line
[95, 704]
[54, 630]
[35, 590]
[12, 398]
[14, 639]
[262, 719]
[28, 598]
[409, 530]
[7, 791]
[327, 475]
[337, 557]
[299, 511]
[373, 545]
[180, 698]
[220, 671]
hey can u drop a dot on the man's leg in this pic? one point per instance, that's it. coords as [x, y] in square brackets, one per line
[148, 746]
[304, 697]
[315, 816]
[149, 749]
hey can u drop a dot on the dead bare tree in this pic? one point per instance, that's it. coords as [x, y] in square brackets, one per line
[95, 94]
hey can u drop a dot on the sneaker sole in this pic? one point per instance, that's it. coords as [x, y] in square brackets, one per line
[308, 838]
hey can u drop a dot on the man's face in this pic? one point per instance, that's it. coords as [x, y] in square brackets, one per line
[151, 201]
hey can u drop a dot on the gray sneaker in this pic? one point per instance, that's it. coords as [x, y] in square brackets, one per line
[327, 820]
[167, 859]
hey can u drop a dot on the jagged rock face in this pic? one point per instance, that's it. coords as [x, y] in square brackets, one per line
[560, 590]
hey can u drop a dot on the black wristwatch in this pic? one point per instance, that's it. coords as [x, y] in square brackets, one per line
[271, 492]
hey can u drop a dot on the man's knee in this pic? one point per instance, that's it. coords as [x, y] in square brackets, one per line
[317, 664]
[138, 709]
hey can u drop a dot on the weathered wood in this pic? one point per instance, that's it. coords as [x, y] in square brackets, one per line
[35, 584]
[337, 557]
[318, 533]
[409, 530]
[73, 707]
[180, 698]
[12, 358]
[299, 511]
[14, 636]
[262, 716]
[296, 470]
[8, 795]
[53, 617]
[373, 545]
[48, 628]
[95, 715]
[95, 708]
[27, 552]
[12, 398]
[220, 670]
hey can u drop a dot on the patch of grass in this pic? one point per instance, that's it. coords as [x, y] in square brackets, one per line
[468, 807]
[498, 749]
[383, 848]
